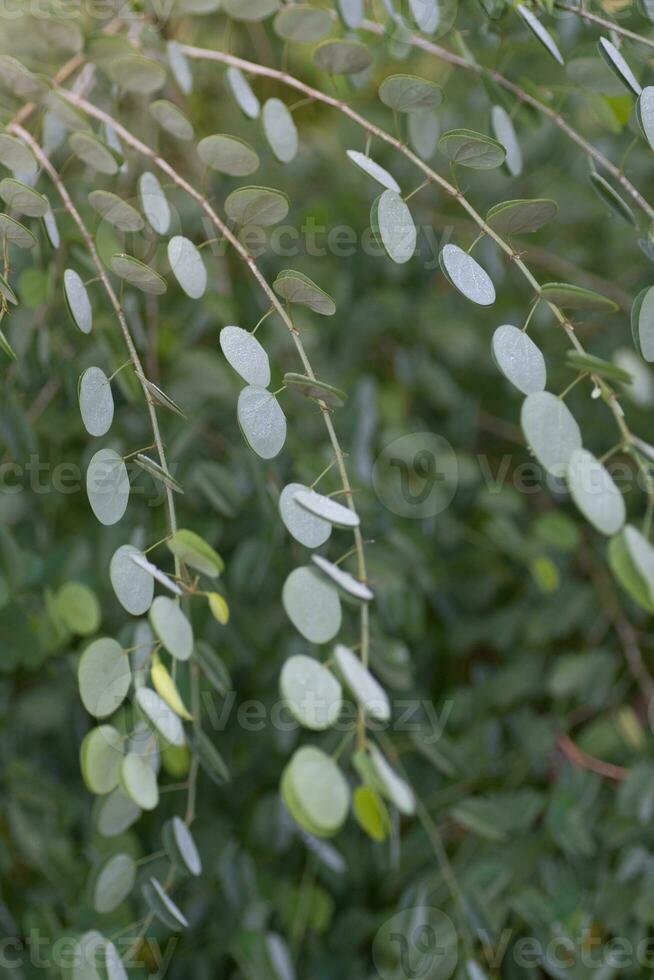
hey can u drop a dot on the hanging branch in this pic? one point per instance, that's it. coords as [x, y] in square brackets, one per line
[418, 41]
[225, 232]
[608, 394]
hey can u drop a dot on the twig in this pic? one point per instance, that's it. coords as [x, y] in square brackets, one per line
[453, 59]
[624, 630]
[253, 68]
[583, 760]
[608, 25]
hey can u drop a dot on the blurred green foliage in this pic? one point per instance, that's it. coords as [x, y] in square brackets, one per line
[497, 620]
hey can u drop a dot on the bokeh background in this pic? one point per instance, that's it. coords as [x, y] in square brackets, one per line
[499, 611]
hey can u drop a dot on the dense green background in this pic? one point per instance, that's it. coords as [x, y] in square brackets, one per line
[501, 610]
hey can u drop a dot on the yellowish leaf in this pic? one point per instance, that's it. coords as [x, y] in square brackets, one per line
[219, 607]
[371, 813]
[166, 688]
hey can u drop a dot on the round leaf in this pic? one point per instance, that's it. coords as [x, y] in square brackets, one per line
[307, 528]
[162, 718]
[101, 756]
[645, 110]
[505, 134]
[642, 323]
[611, 197]
[104, 677]
[19, 79]
[172, 627]
[467, 275]
[343, 57]
[319, 391]
[240, 88]
[617, 63]
[180, 67]
[391, 785]
[368, 692]
[316, 789]
[172, 119]
[117, 212]
[521, 217]
[262, 421]
[280, 129]
[162, 905]
[187, 266]
[113, 964]
[297, 288]
[194, 551]
[312, 605]
[408, 93]
[51, 229]
[91, 150]
[181, 847]
[96, 403]
[351, 13]
[154, 203]
[79, 608]
[77, 300]
[327, 508]
[151, 570]
[137, 74]
[429, 15]
[246, 355]
[519, 359]
[16, 233]
[424, 131]
[469, 149]
[114, 882]
[107, 486]
[133, 586]
[349, 586]
[571, 297]
[228, 155]
[374, 170]
[302, 23]
[139, 781]
[116, 814]
[594, 492]
[137, 274]
[261, 206]
[550, 430]
[19, 197]
[16, 156]
[392, 219]
[540, 32]
[312, 693]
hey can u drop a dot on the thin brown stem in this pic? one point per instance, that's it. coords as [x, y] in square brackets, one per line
[582, 760]
[608, 25]
[290, 81]
[523, 96]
